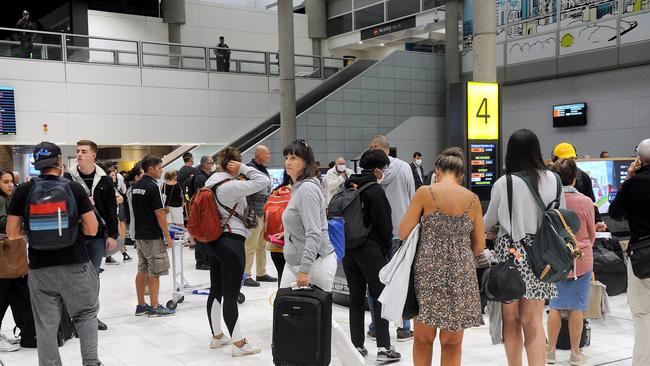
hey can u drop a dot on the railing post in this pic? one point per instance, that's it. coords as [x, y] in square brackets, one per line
[116, 57]
[180, 60]
[44, 51]
[140, 55]
[322, 66]
[207, 58]
[267, 63]
[64, 48]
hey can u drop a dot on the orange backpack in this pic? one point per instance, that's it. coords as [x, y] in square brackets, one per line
[273, 209]
[204, 221]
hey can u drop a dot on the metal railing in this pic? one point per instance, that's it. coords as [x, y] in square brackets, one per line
[67, 47]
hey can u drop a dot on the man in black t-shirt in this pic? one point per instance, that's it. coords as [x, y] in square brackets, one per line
[59, 277]
[150, 229]
[186, 171]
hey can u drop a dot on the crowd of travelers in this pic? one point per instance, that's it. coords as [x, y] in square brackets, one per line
[70, 219]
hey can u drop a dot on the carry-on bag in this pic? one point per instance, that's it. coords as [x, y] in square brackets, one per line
[302, 327]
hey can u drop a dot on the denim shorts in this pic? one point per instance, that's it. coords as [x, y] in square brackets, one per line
[573, 294]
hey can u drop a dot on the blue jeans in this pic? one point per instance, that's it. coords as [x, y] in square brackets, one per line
[96, 248]
[407, 323]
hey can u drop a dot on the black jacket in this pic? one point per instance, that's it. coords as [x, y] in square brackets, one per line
[416, 176]
[377, 209]
[106, 205]
[199, 179]
[632, 202]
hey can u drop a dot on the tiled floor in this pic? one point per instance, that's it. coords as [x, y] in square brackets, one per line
[184, 339]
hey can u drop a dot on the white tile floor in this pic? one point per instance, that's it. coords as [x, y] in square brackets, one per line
[184, 338]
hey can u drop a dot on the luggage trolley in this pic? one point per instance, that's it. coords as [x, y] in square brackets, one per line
[181, 285]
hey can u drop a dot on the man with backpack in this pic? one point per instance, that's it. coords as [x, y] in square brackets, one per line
[99, 187]
[400, 188]
[197, 182]
[56, 214]
[255, 245]
[365, 257]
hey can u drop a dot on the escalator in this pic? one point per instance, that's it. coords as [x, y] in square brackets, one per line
[272, 124]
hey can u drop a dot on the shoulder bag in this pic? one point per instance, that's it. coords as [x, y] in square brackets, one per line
[639, 254]
[13, 258]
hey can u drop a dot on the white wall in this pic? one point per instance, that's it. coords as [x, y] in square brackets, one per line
[618, 110]
[117, 105]
[126, 26]
[426, 135]
[249, 29]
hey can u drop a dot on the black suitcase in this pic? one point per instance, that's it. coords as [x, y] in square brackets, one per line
[302, 327]
[67, 330]
[564, 340]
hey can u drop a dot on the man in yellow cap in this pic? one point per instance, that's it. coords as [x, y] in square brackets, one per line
[565, 150]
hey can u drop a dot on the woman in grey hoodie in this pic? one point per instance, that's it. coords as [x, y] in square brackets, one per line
[227, 256]
[307, 248]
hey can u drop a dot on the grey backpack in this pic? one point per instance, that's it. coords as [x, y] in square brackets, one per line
[347, 204]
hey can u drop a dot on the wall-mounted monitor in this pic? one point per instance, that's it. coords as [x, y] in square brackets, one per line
[567, 115]
[7, 111]
[607, 177]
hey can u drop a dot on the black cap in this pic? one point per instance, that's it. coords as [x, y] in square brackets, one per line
[46, 155]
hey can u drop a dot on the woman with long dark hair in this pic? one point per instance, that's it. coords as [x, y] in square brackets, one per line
[227, 256]
[524, 316]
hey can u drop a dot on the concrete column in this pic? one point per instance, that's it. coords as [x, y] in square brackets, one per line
[485, 41]
[452, 40]
[287, 72]
[174, 15]
[316, 27]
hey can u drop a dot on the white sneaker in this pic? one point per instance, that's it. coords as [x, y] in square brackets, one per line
[247, 349]
[11, 340]
[577, 359]
[8, 347]
[218, 343]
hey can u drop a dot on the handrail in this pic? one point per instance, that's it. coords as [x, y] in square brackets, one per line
[267, 59]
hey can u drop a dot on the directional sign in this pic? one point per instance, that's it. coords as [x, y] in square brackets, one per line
[482, 111]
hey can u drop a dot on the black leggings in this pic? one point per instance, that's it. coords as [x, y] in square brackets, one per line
[279, 262]
[227, 260]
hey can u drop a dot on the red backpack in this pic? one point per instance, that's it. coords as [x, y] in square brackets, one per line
[204, 221]
[273, 210]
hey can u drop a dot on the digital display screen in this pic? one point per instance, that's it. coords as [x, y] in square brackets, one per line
[277, 175]
[33, 172]
[483, 168]
[570, 115]
[607, 177]
[7, 111]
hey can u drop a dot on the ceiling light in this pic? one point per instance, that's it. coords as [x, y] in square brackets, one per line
[381, 45]
[360, 42]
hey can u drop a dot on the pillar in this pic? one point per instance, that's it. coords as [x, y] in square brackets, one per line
[317, 26]
[174, 15]
[485, 40]
[452, 55]
[287, 72]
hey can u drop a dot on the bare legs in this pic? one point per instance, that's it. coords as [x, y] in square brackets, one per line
[524, 315]
[451, 344]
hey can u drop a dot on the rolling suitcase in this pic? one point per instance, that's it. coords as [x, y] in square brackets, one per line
[302, 327]
[564, 340]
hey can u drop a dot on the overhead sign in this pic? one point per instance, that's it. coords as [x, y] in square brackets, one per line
[482, 111]
[387, 28]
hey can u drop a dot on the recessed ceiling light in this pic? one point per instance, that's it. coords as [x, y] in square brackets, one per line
[360, 42]
[381, 44]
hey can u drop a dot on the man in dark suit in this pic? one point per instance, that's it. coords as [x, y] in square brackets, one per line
[418, 171]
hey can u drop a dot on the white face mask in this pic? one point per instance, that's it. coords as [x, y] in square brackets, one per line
[418, 162]
[341, 168]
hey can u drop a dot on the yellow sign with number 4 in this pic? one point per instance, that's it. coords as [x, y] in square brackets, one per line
[482, 111]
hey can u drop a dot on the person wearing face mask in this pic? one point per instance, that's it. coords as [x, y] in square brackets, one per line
[418, 171]
[362, 264]
[335, 178]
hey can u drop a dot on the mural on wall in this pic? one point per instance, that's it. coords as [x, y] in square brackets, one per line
[528, 30]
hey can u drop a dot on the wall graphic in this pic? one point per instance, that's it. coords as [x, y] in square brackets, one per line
[529, 30]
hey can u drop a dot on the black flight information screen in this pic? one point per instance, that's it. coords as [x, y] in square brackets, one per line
[7, 111]
[482, 168]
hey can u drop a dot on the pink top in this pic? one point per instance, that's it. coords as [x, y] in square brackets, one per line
[584, 208]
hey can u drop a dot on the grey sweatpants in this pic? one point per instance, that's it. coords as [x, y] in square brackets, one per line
[76, 286]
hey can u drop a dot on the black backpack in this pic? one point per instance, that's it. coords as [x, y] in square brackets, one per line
[52, 215]
[347, 204]
[188, 188]
[551, 255]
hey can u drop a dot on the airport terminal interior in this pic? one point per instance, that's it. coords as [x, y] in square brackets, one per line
[354, 90]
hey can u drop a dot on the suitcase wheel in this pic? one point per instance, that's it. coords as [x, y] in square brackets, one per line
[181, 299]
[171, 305]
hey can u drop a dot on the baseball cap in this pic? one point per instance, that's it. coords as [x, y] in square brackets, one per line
[46, 155]
[565, 150]
[25, 12]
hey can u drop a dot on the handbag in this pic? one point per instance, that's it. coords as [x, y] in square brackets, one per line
[13, 258]
[639, 254]
[597, 300]
[502, 282]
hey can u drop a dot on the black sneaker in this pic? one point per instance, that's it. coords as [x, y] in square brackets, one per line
[110, 260]
[101, 325]
[249, 282]
[404, 335]
[363, 351]
[126, 257]
[266, 278]
[372, 335]
[203, 267]
[388, 355]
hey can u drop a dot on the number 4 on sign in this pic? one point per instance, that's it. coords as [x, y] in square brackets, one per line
[484, 104]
